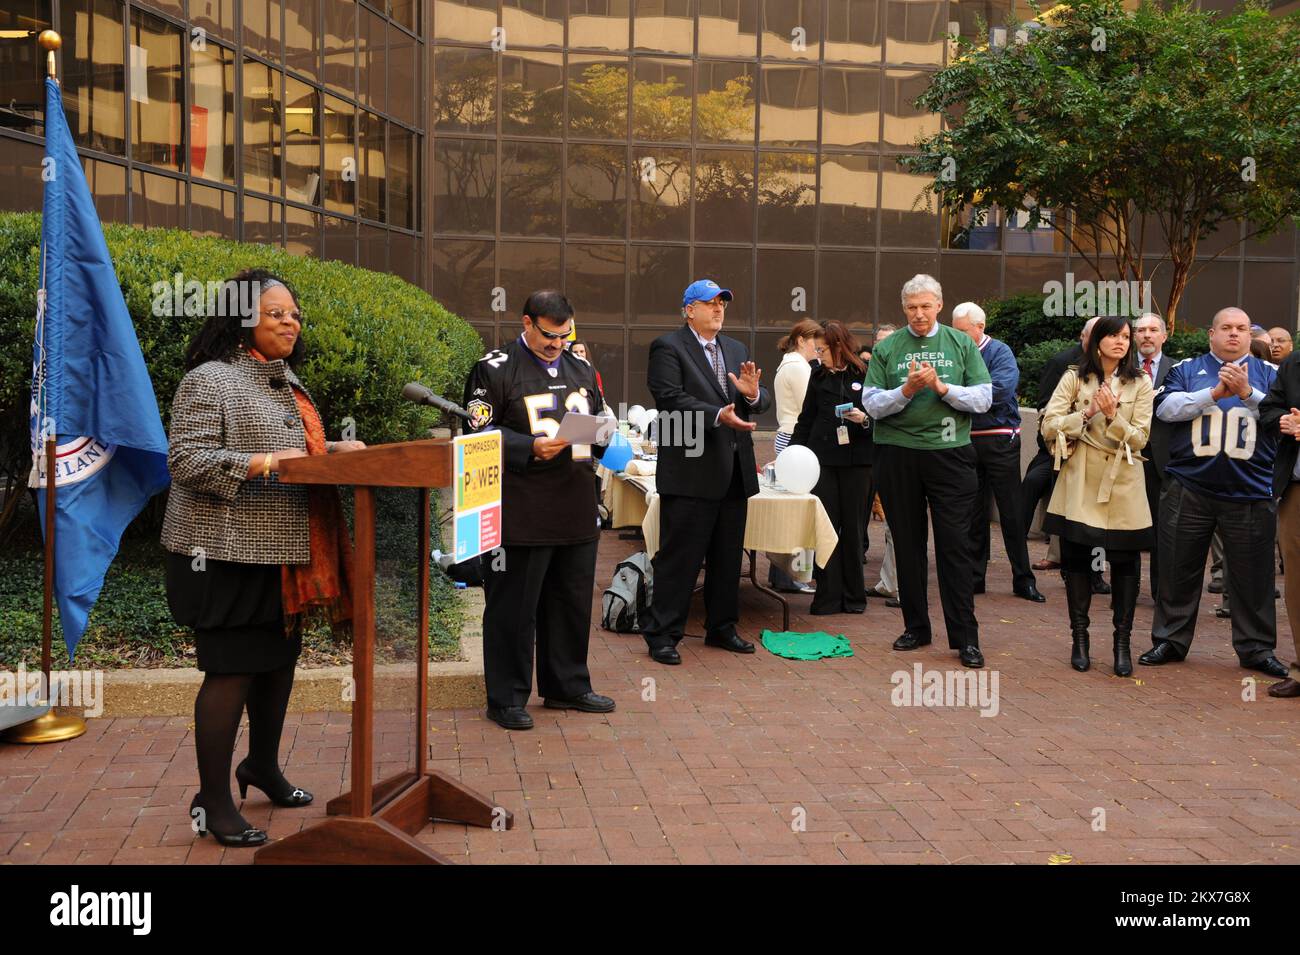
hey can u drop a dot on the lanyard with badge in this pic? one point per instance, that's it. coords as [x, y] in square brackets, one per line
[842, 432]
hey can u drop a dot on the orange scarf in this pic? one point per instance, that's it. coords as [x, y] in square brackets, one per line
[326, 579]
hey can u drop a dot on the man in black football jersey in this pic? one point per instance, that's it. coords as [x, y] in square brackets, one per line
[540, 582]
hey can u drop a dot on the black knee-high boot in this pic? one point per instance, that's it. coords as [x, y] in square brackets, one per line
[1123, 601]
[1078, 595]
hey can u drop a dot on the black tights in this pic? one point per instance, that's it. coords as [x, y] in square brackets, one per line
[217, 709]
[1079, 559]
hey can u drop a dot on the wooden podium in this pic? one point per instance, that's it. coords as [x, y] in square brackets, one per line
[374, 823]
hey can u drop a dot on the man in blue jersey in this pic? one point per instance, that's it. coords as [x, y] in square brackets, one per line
[1220, 476]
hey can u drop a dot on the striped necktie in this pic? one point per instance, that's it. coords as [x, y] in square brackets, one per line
[716, 361]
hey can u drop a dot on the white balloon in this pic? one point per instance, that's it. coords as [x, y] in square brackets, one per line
[636, 416]
[797, 469]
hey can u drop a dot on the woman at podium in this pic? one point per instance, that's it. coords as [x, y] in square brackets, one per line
[247, 554]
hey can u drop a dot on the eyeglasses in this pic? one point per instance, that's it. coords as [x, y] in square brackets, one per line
[719, 302]
[551, 336]
[280, 314]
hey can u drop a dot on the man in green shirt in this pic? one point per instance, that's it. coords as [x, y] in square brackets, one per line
[922, 386]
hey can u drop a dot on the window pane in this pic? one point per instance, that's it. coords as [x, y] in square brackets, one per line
[787, 198]
[916, 30]
[339, 42]
[301, 37]
[659, 275]
[1028, 273]
[530, 188]
[895, 269]
[599, 24]
[788, 115]
[729, 27]
[605, 351]
[845, 285]
[156, 93]
[407, 13]
[968, 231]
[262, 28]
[726, 103]
[301, 231]
[792, 29]
[1269, 294]
[597, 197]
[20, 165]
[785, 280]
[372, 248]
[173, 7]
[403, 69]
[464, 90]
[340, 132]
[302, 142]
[853, 31]
[212, 212]
[661, 100]
[848, 200]
[1281, 244]
[665, 25]
[403, 177]
[339, 240]
[212, 114]
[107, 182]
[217, 17]
[905, 221]
[732, 269]
[850, 107]
[371, 59]
[261, 128]
[639, 341]
[262, 222]
[462, 277]
[975, 278]
[968, 14]
[724, 196]
[532, 91]
[593, 281]
[464, 186]
[1019, 237]
[373, 172]
[404, 257]
[661, 200]
[472, 20]
[525, 267]
[533, 22]
[904, 122]
[598, 96]
[93, 81]
[158, 202]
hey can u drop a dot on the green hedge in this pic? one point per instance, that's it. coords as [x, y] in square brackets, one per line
[366, 333]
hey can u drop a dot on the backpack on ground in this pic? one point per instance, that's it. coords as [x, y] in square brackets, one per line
[627, 599]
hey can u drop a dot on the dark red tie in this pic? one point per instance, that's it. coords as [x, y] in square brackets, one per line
[1146, 366]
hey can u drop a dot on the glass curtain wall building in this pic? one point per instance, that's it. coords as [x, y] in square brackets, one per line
[613, 148]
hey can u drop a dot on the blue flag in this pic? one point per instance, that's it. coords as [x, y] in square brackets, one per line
[90, 388]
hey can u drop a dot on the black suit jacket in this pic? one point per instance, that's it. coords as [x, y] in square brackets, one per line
[1158, 442]
[818, 427]
[1281, 398]
[1049, 378]
[684, 385]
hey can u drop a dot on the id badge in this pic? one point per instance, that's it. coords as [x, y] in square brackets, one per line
[842, 434]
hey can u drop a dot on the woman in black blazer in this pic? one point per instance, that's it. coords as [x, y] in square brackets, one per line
[833, 424]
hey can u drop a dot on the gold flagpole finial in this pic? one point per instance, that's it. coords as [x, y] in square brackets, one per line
[50, 41]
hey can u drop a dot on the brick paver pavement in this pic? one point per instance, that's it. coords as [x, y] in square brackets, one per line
[761, 759]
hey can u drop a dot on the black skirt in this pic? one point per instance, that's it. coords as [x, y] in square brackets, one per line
[236, 612]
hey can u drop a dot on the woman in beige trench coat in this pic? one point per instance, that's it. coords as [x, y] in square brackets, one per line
[1097, 421]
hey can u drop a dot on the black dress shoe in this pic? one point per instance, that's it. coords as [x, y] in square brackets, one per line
[243, 839]
[979, 587]
[1030, 592]
[1162, 652]
[1099, 585]
[729, 641]
[910, 641]
[510, 717]
[587, 703]
[1223, 613]
[1286, 689]
[971, 657]
[893, 602]
[797, 588]
[1215, 587]
[286, 795]
[666, 655]
[1270, 665]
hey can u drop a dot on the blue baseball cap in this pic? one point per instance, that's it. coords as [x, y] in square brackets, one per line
[703, 291]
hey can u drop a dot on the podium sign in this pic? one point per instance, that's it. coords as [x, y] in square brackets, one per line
[476, 525]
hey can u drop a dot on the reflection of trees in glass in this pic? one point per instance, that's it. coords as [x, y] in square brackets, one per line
[464, 95]
[785, 181]
[465, 182]
[530, 183]
[598, 102]
[596, 190]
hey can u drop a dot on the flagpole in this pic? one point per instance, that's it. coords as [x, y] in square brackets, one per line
[49, 728]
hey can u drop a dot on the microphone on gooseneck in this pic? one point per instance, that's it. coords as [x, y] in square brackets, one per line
[415, 392]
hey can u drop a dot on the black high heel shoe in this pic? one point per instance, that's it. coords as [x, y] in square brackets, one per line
[244, 776]
[240, 840]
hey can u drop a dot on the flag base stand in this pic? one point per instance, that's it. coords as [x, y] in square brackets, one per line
[49, 728]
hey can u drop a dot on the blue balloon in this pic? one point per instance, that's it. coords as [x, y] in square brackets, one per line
[618, 453]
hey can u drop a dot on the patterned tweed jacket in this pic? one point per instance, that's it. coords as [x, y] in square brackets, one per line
[223, 416]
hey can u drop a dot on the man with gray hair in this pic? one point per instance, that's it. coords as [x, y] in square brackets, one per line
[995, 436]
[922, 386]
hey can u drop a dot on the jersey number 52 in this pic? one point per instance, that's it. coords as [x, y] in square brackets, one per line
[542, 427]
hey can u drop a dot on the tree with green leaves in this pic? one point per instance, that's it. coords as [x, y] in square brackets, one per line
[1162, 122]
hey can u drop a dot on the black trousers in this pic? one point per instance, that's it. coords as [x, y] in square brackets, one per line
[909, 481]
[692, 529]
[1037, 484]
[997, 465]
[840, 586]
[1153, 502]
[542, 593]
[1248, 528]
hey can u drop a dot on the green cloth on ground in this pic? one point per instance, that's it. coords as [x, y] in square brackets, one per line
[806, 646]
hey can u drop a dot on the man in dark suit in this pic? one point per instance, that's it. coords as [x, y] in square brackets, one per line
[707, 392]
[1279, 418]
[1150, 334]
